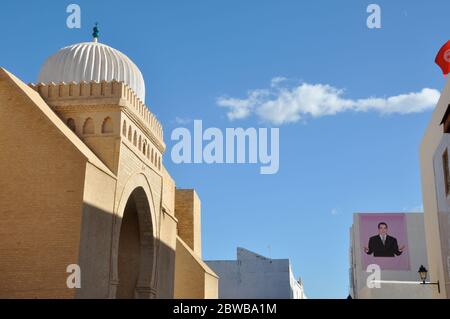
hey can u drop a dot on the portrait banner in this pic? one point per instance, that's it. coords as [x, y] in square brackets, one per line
[384, 241]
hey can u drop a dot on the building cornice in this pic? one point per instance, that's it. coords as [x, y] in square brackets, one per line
[102, 96]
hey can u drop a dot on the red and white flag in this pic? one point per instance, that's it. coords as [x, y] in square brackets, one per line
[443, 58]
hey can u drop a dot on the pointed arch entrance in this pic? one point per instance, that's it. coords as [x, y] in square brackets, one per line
[135, 256]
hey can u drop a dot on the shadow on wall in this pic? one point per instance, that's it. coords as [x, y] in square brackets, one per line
[138, 267]
[120, 258]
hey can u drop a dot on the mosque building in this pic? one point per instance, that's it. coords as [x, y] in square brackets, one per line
[83, 186]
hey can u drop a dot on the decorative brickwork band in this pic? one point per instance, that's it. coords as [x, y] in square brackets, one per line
[114, 89]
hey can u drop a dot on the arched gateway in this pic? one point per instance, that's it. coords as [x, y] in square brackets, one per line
[136, 247]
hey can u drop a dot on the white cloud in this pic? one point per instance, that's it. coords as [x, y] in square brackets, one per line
[280, 105]
[276, 81]
[242, 108]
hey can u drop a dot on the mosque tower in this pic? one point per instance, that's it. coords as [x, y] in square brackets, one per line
[100, 94]
[83, 185]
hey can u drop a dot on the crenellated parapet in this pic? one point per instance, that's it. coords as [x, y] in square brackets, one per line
[64, 96]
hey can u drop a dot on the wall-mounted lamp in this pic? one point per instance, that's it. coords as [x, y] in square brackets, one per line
[423, 272]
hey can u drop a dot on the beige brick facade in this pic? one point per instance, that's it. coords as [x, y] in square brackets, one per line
[193, 278]
[82, 182]
[187, 211]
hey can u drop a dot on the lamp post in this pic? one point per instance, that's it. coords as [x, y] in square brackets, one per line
[423, 272]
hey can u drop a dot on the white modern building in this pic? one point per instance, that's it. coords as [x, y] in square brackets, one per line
[253, 276]
[395, 282]
[434, 165]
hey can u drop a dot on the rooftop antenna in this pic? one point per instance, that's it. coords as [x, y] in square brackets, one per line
[95, 32]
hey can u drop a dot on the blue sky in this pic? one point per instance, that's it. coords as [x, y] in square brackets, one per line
[191, 53]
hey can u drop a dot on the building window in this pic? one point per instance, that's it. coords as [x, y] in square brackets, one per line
[124, 128]
[107, 126]
[129, 133]
[446, 120]
[446, 172]
[135, 138]
[71, 124]
[447, 126]
[88, 127]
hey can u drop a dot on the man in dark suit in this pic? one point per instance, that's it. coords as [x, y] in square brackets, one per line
[383, 245]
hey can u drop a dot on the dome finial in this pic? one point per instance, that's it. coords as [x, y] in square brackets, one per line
[95, 33]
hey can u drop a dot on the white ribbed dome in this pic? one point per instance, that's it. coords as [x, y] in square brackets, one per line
[92, 61]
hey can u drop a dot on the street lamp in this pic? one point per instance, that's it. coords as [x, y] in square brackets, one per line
[423, 272]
